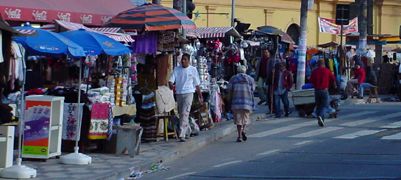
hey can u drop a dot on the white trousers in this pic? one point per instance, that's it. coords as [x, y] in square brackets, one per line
[184, 102]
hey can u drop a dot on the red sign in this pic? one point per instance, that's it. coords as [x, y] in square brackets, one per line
[329, 26]
[42, 15]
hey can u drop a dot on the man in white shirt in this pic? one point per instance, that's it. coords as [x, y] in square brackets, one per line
[186, 79]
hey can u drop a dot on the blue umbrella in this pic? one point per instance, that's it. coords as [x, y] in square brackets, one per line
[95, 43]
[44, 42]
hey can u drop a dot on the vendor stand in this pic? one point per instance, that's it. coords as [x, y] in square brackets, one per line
[154, 49]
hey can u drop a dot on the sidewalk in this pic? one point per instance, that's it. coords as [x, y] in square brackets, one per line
[110, 166]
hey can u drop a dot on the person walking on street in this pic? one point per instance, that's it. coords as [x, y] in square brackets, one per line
[262, 72]
[321, 78]
[186, 79]
[282, 85]
[241, 88]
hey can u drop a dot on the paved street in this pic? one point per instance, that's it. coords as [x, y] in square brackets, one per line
[362, 143]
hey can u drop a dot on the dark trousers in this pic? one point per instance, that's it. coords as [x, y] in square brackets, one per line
[277, 105]
[322, 102]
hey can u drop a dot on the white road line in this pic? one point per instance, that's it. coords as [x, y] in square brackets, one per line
[393, 125]
[227, 163]
[370, 120]
[268, 152]
[180, 175]
[281, 129]
[358, 134]
[277, 121]
[393, 137]
[317, 132]
[302, 143]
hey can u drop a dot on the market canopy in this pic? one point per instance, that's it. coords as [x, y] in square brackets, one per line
[327, 45]
[88, 12]
[270, 30]
[152, 17]
[94, 43]
[48, 43]
[110, 32]
[213, 32]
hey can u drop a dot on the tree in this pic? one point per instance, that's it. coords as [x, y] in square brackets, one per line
[302, 45]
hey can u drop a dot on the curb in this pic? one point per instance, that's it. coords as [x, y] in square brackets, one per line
[179, 151]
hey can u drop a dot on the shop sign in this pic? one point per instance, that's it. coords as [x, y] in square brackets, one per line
[13, 13]
[64, 16]
[86, 19]
[39, 16]
[106, 19]
[36, 129]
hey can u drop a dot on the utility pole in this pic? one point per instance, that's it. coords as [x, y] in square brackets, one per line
[302, 45]
[232, 13]
[156, 1]
[362, 17]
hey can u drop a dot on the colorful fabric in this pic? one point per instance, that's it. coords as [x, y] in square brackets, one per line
[242, 87]
[99, 126]
[70, 120]
[152, 17]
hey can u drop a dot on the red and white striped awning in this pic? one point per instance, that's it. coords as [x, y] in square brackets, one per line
[110, 32]
[108, 29]
[213, 32]
[25, 31]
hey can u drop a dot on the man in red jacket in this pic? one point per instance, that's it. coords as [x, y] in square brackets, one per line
[283, 82]
[321, 78]
[354, 83]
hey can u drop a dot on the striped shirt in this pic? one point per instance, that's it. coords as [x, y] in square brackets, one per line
[241, 87]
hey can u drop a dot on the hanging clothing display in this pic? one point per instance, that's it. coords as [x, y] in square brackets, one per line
[70, 121]
[99, 126]
[164, 99]
[146, 43]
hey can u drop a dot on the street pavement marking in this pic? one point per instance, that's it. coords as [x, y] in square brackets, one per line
[181, 175]
[370, 120]
[281, 129]
[277, 121]
[317, 132]
[302, 143]
[268, 152]
[393, 125]
[392, 137]
[358, 134]
[227, 163]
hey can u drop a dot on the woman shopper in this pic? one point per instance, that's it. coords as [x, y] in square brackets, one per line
[241, 88]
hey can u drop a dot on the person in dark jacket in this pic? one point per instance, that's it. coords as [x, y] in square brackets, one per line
[283, 82]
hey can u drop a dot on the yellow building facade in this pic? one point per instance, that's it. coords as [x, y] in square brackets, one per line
[285, 14]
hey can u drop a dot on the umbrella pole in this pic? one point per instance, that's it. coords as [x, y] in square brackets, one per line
[76, 157]
[19, 171]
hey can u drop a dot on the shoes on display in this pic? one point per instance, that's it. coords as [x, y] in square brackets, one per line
[320, 121]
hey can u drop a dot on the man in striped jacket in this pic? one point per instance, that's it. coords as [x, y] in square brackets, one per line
[241, 88]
